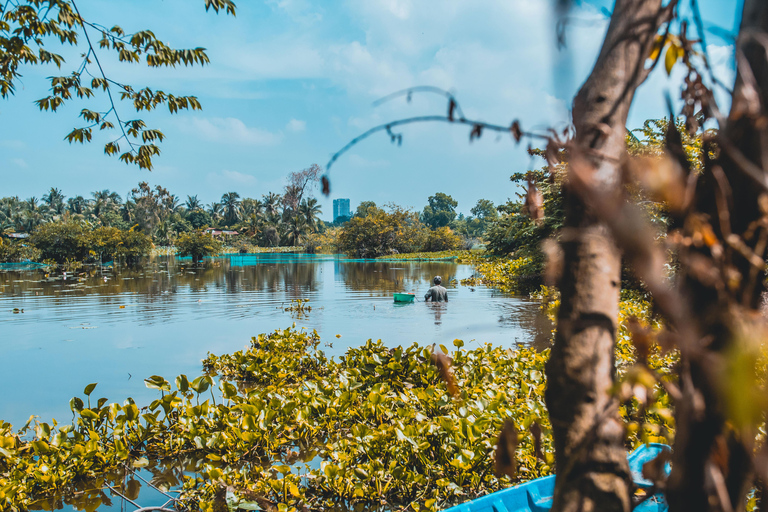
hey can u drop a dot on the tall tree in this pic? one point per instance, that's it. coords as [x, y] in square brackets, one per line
[722, 405]
[440, 211]
[272, 206]
[77, 205]
[251, 206]
[365, 208]
[592, 469]
[151, 206]
[55, 200]
[104, 201]
[230, 203]
[310, 210]
[193, 203]
[299, 183]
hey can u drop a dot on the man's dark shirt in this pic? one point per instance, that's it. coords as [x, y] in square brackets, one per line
[437, 294]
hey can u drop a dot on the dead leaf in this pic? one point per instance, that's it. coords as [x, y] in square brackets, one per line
[476, 133]
[505, 450]
[653, 470]
[443, 363]
[534, 202]
[535, 430]
[517, 133]
[326, 186]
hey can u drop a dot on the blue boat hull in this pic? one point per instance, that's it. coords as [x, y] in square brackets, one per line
[536, 495]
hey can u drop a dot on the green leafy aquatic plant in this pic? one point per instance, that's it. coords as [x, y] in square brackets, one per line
[507, 275]
[282, 426]
[458, 256]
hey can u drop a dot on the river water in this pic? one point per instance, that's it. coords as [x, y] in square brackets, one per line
[119, 326]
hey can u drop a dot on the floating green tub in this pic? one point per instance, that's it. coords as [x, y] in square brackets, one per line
[404, 297]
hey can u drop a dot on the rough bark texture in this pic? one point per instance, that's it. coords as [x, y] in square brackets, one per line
[705, 444]
[592, 469]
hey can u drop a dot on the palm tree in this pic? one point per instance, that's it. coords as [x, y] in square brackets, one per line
[172, 203]
[272, 205]
[310, 210]
[193, 203]
[296, 228]
[104, 201]
[251, 206]
[31, 204]
[216, 212]
[127, 211]
[230, 203]
[55, 200]
[78, 205]
[252, 224]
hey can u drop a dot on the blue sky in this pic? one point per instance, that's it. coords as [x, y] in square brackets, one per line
[292, 81]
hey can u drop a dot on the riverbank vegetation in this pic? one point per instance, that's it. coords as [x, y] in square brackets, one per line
[288, 221]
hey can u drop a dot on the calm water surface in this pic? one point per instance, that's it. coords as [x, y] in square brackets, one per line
[117, 327]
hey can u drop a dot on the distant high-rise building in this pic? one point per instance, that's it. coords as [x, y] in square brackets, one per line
[340, 208]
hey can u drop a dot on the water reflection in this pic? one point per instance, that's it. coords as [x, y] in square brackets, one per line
[393, 276]
[437, 308]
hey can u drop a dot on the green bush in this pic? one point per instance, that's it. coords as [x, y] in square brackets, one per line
[135, 245]
[198, 245]
[12, 251]
[106, 242]
[442, 239]
[198, 219]
[62, 241]
[380, 233]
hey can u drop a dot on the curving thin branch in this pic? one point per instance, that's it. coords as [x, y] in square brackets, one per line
[104, 75]
[408, 93]
[454, 116]
[477, 129]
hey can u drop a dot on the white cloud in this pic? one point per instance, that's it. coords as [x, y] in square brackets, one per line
[356, 161]
[286, 57]
[238, 177]
[13, 144]
[296, 125]
[230, 130]
[20, 162]
[298, 10]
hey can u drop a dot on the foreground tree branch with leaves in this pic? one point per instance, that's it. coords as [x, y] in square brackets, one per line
[714, 307]
[28, 26]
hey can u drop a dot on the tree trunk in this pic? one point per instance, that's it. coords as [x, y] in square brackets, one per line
[591, 463]
[705, 445]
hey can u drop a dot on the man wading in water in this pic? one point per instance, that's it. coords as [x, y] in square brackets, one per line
[437, 293]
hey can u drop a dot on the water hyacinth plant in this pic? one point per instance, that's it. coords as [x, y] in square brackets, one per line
[281, 426]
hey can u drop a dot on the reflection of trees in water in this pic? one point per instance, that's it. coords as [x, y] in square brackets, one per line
[163, 277]
[159, 281]
[394, 276]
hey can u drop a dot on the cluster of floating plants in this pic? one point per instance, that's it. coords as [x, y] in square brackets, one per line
[299, 306]
[279, 426]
